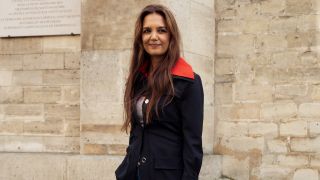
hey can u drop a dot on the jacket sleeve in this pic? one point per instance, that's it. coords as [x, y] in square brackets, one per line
[192, 124]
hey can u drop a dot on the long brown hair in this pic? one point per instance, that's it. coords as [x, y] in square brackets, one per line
[160, 81]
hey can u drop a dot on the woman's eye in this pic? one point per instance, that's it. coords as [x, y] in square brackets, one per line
[162, 30]
[146, 31]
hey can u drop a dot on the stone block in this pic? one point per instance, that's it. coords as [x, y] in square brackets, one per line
[42, 61]
[290, 91]
[263, 129]
[11, 127]
[272, 7]
[256, 24]
[81, 167]
[61, 144]
[240, 144]
[55, 44]
[97, 149]
[233, 45]
[211, 167]
[24, 112]
[277, 146]
[116, 149]
[278, 111]
[293, 160]
[308, 22]
[292, 75]
[72, 128]
[235, 168]
[10, 62]
[283, 24]
[263, 75]
[309, 59]
[5, 78]
[298, 7]
[42, 94]
[224, 66]
[21, 45]
[11, 94]
[72, 60]
[310, 174]
[274, 172]
[284, 60]
[101, 112]
[314, 128]
[230, 26]
[247, 10]
[253, 92]
[271, 43]
[305, 144]
[71, 94]
[223, 93]
[27, 78]
[309, 110]
[315, 92]
[199, 37]
[231, 129]
[64, 111]
[246, 111]
[61, 77]
[21, 166]
[294, 128]
[102, 78]
[43, 128]
[300, 39]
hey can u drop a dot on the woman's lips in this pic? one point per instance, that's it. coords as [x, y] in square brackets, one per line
[154, 45]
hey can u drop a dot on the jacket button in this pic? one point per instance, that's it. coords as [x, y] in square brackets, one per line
[138, 164]
[146, 101]
[143, 159]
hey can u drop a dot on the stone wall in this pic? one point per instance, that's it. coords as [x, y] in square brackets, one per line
[267, 93]
[61, 96]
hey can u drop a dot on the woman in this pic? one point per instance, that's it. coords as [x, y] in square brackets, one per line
[163, 104]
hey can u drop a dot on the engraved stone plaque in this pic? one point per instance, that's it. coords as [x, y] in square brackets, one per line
[39, 17]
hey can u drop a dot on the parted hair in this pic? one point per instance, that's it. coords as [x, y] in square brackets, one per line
[160, 81]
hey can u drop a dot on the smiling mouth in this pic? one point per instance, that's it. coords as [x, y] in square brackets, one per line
[154, 45]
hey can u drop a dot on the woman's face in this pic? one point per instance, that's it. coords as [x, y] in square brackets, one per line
[155, 35]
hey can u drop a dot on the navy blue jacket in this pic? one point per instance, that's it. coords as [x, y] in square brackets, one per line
[170, 147]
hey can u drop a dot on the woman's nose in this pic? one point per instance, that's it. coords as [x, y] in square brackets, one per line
[154, 36]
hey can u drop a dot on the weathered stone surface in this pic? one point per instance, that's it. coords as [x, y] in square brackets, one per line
[42, 61]
[223, 93]
[25, 112]
[277, 146]
[11, 62]
[61, 44]
[42, 94]
[211, 167]
[20, 45]
[27, 77]
[5, 78]
[61, 77]
[309, 110]
[11, 94]
[32, 166]
[277, 111]
[305, 144]
[235, 168]
[293, 160]
[294, 128]
[72, 60]
[298, 6]
[302, 174]
[263, 129]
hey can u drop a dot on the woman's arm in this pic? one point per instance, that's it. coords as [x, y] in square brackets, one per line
[192, 123]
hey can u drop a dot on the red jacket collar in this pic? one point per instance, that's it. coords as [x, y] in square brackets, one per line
[181, 68]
